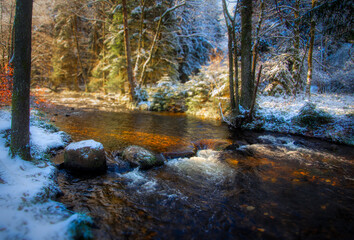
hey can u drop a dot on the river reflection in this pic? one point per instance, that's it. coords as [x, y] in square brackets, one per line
[158, 132]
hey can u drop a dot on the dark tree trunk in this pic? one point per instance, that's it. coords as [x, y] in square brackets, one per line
[22, 80]
[247, 82]
[237, 97]
[128, 52]
[231, 69]
[297, 60]
[309, 59]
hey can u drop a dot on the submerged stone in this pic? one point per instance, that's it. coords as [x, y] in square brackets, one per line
[186, 152]
[85, 156]
[214, 144]
[140, 157]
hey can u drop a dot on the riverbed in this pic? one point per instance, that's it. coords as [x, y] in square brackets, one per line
[265, 186]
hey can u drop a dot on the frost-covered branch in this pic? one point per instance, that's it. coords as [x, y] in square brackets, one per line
[154, 43]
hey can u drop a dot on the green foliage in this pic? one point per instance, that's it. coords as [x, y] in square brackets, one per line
[112, 62]
[311, 117]
[95, 84]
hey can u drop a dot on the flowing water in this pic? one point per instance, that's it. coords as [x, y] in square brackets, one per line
[267, 186]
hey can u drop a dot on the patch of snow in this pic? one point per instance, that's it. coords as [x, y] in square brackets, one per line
[278, 113]
[44, 140]
[25, 191]
[5, 122]
[83, 144]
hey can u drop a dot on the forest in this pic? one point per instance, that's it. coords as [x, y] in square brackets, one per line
[181, 119]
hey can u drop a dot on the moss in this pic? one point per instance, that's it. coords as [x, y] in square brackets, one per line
[311, 117]
[80, 228]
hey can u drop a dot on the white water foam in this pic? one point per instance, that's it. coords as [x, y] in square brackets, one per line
[204, 167]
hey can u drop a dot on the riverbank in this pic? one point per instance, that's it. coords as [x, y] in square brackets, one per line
[27, 188]
[281, 114]
[276, 114]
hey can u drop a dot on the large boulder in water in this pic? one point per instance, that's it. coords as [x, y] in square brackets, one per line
[140, 157]
[85, 156]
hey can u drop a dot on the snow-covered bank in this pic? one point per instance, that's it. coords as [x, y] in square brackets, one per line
[277, 114]
[26, 189]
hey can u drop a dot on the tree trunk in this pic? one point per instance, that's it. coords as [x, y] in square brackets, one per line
[231, 69]
[20, 135]
[247, 82]
[256, 42]
[296, 31]
[128, 52]
[142, 18]
[79, 60]
[233, 62]
[10, 42]
[309, 59]
[237, 109]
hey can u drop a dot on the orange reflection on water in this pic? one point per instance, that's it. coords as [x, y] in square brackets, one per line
[154, 141]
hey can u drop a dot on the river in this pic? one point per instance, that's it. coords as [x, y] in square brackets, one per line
[269, 186]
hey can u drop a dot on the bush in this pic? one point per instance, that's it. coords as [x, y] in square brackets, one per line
[311, 117]
[6, 80]
[168, 96]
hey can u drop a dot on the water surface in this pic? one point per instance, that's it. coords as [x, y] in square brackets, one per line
[269, 186]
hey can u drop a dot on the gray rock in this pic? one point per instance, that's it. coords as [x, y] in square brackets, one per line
[85, 156]
[140, 157]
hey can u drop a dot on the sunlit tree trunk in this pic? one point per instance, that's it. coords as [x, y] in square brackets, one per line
[256, 41]
[79, 60]
[128, 52]
[2, 64]
[247, 84]
[233, 62]
[20, 135]
[309, 59]
[140, 41]
[231, 69]
[10, 42]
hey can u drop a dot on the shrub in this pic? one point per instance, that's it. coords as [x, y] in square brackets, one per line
[6, 81]
[311, 117]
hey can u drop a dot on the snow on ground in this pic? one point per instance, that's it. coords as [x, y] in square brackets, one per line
[26, 188]
[278, 112]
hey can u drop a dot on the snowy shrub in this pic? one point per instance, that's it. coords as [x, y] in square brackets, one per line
[168, 96]
[277, 76]
[141, 95]
[311, 117]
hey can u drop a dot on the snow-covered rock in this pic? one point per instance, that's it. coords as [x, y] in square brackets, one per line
[85, 156]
